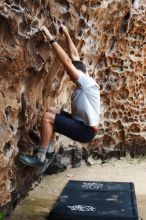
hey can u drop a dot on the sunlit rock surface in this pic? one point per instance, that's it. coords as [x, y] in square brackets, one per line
[110, 36]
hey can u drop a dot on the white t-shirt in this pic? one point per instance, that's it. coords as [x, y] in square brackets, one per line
[85, 105]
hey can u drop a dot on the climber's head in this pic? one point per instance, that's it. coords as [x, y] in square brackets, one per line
[79, 65]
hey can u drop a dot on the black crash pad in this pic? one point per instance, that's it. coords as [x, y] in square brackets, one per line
[90, 200]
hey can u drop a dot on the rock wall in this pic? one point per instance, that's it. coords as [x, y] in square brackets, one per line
[110, 36]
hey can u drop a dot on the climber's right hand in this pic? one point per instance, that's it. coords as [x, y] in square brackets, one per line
[47, 32]
[63, 29]
[44, 28]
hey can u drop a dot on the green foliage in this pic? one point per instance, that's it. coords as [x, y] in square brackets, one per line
[1, 216]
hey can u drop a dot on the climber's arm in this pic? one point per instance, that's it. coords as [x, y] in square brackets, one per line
[72, 49]
[62, 56]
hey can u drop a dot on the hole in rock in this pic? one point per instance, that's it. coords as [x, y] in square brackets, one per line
[8, 2]
[12, 184]
[82, 23]
[111, 44]
[17, 2]
[5, 32]
[113, 115]
[123, 107]
[125, 119]
[37, 3]
[24, 144]
[107, 140]
[57, 138]
[133, 1]
[123, 94]
[23, 26]
[97, 4]
[35, 127]
[64, 4]
[66, 16]
[37, 105]
[31, 71]
[120, 115]
[8, 112]
[118, 125]
[108, 87]
[106, 123]
[101, 87]
[130, 119]
[34, 24]
[90, 62]
[134, 128]
[107, 115]
[16, 8]
[105, 100]
[34, 136]
[12, 128]
[21, 115]
[6, 148]
[119, 136]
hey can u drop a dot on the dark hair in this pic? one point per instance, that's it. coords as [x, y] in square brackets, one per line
[79, 65]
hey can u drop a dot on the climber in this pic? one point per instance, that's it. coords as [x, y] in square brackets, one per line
[81, 124]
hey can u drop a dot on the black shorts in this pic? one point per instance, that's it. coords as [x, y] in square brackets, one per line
[76, 130]
[79, 65]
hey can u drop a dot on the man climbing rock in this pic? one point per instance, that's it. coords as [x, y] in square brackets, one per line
[81, 124]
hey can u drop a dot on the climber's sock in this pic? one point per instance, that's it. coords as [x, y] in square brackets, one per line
[50, 149]
[41, 154]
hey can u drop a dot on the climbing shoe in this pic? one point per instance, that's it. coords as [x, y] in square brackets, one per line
[32, 161]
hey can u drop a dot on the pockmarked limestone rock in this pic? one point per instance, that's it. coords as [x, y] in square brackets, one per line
[111, 38]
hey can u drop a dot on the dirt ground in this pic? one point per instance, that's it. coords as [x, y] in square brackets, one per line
[40, 200]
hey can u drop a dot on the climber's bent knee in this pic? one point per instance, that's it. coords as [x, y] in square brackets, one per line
[48, 117]
[53, 109]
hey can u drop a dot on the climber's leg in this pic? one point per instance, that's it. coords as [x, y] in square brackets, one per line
[63, 123]
[47, 127]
